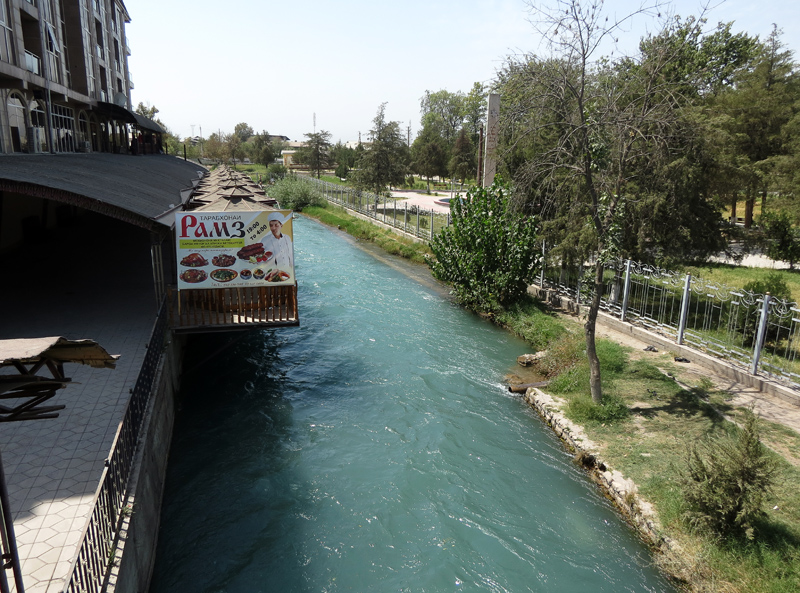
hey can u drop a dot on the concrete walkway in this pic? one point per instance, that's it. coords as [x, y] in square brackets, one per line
[422, 200]
[53, 467]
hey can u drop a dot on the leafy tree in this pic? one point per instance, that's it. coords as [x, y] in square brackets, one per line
[462, 162]
[780, 237]
[727, 480]
[490, 253]
[429, 155]
[344, 157]
[149, 111]
[232, 148]
[316, 152]
[243, 131]
[443, 112]
[475, 111]
[604, 150]
[215, 148]
[757, 111]
[384, 162]
[264, 151]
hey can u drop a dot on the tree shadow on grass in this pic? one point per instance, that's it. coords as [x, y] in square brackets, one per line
[773, 541]
[686, 403]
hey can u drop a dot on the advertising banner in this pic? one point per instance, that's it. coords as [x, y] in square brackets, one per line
[229, 249]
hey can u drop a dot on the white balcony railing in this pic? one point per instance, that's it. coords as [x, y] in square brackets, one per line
[33, 63]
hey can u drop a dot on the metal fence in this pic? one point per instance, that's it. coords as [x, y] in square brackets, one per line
[409, 219]
[758, 332]
[91, 565]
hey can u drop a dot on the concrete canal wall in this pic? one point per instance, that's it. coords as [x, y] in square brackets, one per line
[136, 546]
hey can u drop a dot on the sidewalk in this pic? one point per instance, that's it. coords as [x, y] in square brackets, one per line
[53, 467]
[422, 200]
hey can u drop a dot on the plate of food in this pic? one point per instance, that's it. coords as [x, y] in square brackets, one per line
[255, 250]
[224, 275]
[194, 260]
[245, 274]
[223, 260]
[193, 276]
[258, 273]
[276, 276]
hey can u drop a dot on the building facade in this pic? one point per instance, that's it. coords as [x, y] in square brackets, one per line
[64, 79]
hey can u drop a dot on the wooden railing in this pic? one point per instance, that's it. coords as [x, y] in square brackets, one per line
[219, 309]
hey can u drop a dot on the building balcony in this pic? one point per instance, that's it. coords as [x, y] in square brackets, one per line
[33, 63]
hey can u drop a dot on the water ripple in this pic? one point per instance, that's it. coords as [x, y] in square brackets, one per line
[374, 449]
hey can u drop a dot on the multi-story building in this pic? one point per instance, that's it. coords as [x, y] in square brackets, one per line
[64, 79]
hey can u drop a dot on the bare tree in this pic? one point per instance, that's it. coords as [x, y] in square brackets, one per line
[580, 130]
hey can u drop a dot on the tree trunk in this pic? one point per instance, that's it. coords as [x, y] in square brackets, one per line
[733, 209]
[748, 207]
[591, 323]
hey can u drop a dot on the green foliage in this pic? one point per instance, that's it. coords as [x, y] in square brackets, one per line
[243, 131]
[610, 409]
[342, 170]
[388, 241]
[384, 163]
[294, 193]
[276, 171]
[781, 238]
[773, 283]
[530, 320]
[490, 253]
[727, 479]
[316, 153]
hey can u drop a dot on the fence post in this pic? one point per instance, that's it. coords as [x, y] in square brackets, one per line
[384, 209]
[541, 271]
[578, 288]
[762, 332]
[405, 217]
[431, 225]
[417, 221]
[687, 293]
[626, 292]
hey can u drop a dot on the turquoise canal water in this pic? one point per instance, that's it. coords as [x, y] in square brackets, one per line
[375, 449]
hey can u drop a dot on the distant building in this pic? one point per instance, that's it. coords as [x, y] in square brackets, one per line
[64, 79]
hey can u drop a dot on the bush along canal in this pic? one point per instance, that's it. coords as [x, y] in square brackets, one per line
[375, 448]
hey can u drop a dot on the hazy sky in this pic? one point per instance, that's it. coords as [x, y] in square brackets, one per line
[274, 64]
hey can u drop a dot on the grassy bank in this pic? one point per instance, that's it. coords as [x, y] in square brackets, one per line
[387, 240]
[644, 429]
[738, 276]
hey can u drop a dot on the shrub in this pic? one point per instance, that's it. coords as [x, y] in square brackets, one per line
[276, 171]
[610, 409]
[490, 253]
[748, 319]
[727, 479]
[295, 194]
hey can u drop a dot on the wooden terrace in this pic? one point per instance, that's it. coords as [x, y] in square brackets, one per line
[232, 309]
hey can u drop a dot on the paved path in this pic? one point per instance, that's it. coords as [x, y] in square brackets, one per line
[428, 202]
[53, 467]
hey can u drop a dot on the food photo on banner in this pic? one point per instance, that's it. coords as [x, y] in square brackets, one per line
[232, 249]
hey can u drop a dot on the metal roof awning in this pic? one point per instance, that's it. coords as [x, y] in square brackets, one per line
[136, 190]
[147, 124]
[120, 113]
[116, 112]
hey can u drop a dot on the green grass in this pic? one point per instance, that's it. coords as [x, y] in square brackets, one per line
[388, 241]
[738, 276]
[644, 427]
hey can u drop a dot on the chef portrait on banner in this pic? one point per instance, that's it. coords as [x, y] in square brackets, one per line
[279, 243]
